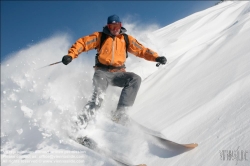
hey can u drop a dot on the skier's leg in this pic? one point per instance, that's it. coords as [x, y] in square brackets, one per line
[131, 84]
[100, 85]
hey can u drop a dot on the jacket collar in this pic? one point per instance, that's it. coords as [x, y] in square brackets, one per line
[106, 31]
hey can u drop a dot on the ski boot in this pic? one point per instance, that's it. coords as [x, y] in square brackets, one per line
[87, 114]
[120, 116]
[85, 141]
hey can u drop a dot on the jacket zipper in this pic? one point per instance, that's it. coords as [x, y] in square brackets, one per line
[112, 60]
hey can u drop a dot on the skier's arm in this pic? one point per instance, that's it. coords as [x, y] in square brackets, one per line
[139, 50]
[84, 44]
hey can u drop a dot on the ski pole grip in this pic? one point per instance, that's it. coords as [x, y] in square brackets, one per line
[158, 64]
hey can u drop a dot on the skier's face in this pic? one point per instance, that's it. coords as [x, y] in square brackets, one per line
[115, 28]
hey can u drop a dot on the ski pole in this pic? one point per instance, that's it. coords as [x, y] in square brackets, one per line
[50, 65]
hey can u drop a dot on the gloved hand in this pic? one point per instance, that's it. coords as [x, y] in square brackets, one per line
[161, 60]
[66, 59]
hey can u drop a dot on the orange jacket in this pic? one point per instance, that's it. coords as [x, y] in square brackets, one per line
[113, 51]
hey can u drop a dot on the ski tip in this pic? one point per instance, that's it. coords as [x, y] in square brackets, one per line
[192, 145]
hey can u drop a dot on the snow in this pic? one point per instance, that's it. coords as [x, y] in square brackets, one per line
[201, 95]
[26, 111]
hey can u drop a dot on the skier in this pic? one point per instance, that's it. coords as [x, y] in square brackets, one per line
[110, 67]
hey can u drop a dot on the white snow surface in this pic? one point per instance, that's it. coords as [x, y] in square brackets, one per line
[201, 95]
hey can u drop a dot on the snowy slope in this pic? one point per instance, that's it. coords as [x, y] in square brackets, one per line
[201, 95]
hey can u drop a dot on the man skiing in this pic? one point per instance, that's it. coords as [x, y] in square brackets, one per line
[110, 67]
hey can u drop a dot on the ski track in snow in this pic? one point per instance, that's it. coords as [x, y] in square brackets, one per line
[201, 95]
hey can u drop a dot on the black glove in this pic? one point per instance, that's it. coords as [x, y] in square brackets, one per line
[161, 60]
[66, 59]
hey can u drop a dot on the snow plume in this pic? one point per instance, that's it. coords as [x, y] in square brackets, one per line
[39, 105]
[40, 101]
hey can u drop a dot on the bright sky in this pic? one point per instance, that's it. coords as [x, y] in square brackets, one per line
[24, 23]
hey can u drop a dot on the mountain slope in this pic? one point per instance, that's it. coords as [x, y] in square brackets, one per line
[201, 95]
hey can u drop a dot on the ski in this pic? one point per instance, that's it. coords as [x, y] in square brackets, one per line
[162, 137]
[92, 145]
[187, 145]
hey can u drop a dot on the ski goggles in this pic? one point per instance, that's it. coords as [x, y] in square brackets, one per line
[115, 26]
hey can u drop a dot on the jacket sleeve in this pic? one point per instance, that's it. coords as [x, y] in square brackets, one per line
[84, 44]
[139, 50]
